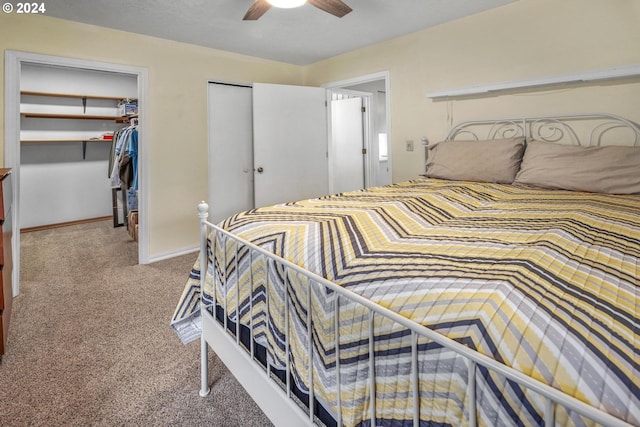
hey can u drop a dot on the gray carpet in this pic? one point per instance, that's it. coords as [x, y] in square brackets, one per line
[90, 342]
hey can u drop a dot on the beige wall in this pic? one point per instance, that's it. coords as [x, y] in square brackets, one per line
[177, 106]
[525, 39]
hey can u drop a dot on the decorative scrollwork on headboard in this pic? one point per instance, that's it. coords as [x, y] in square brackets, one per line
[599, 132]
[506, 129]
[552, 130]
[580, 129]
[476, 130]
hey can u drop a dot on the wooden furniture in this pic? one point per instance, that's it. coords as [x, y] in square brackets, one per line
[6, 260]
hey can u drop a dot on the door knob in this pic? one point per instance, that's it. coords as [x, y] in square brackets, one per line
[259, 170]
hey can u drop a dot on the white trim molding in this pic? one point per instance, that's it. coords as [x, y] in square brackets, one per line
[13, 61]
[602, 74]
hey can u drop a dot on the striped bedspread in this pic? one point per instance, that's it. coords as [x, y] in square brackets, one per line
[544, 281]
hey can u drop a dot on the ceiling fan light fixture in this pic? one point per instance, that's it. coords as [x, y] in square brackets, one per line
[286, 4]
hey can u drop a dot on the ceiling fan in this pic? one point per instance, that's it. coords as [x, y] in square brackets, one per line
[259, 7]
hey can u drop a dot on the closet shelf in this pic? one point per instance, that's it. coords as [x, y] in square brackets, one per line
[71, 95]
[69, 116]
[117, 117]
[67, 140]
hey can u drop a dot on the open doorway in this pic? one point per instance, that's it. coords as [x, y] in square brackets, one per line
[374, 90]
[15, 64]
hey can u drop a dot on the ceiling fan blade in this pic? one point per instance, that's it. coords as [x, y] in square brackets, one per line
[335, 7]
[257, 9]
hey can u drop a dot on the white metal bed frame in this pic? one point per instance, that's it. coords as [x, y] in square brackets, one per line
[597, 129]
[279, 404]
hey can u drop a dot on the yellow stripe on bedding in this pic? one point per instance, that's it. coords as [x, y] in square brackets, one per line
[543, 281]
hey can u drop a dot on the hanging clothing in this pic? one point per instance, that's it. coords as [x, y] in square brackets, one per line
[123, 164]
[132, 152]
[118, 149]
[128, 166]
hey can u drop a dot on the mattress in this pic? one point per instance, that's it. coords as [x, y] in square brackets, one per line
[543, 281]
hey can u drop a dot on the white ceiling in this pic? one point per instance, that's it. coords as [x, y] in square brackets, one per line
[297, 36]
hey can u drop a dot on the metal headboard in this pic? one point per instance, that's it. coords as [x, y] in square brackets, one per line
[579, 129]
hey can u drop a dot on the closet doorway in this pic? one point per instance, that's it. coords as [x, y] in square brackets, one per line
[267, 144]
[19, 70]
[277, 143]
[230, 141]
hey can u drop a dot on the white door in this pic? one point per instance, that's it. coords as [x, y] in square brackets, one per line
[289, 143]
[347, 145]
[230, 150]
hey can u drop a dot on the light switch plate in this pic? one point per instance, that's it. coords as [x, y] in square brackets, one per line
[410, 145]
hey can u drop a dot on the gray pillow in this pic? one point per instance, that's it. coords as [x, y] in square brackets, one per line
[609, 169]
[495, 160]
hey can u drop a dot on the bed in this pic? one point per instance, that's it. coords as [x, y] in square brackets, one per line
[505, 295]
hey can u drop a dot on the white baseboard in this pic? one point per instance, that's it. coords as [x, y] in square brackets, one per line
[172, 254]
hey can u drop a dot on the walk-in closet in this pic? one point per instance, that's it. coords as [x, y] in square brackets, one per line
[78, 147]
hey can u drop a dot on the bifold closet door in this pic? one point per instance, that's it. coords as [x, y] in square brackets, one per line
[289, 143]
[230, 150]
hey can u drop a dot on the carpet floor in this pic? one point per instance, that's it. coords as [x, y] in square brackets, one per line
[90, 342]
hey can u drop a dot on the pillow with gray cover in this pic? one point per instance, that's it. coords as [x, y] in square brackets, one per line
[607, 169]
[495, 160]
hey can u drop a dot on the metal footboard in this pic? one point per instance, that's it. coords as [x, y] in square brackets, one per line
[238, 359]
